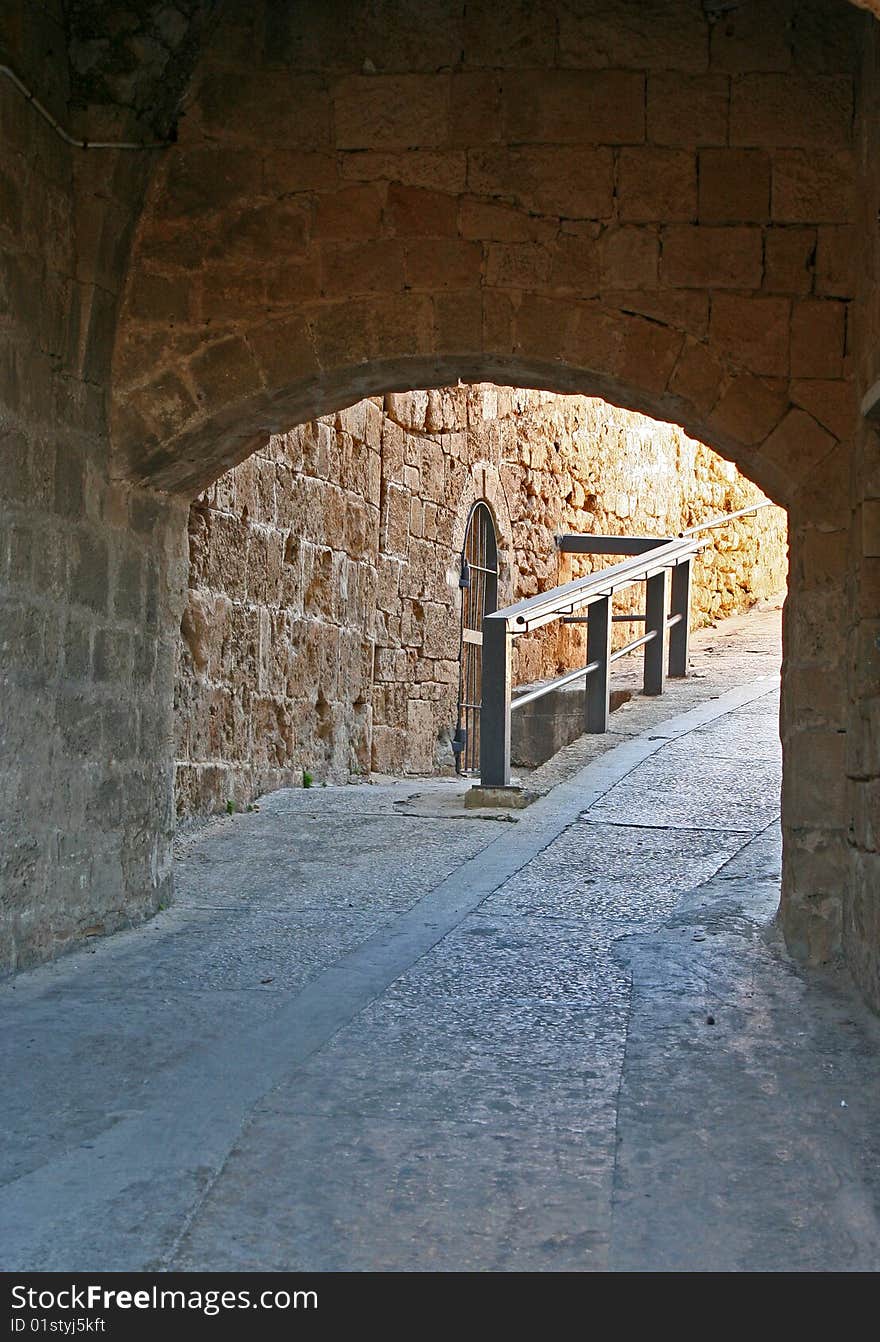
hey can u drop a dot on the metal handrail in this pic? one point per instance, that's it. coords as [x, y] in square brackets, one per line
[580, 672]
[593, 593]
[535, 611]
[667, 610]
[540, 690]
[728, 517]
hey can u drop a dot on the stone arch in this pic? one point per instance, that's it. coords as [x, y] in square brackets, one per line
[761, 424]
[638, 202]
[665, 226]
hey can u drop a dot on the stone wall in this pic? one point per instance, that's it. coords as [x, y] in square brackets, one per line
[661, 205]
[861, 926]
[91, 570]
[671, 206]
[321, 632]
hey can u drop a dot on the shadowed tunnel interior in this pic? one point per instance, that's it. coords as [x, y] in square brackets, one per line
[667, 206]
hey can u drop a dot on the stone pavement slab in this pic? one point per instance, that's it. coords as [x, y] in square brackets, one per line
[375, 1033]
[469, 1059]
[384, 1195]
[618, 875]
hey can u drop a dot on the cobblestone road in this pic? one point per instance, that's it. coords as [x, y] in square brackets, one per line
[378, 1032]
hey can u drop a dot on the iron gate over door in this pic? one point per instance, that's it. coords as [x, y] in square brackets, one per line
[479, 596]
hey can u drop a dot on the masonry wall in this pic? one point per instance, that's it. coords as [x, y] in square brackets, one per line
[657, 204]
[90, 569]
[321, 631]
[861, 924]
[673, 206]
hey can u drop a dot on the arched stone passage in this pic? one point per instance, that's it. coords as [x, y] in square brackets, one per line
[638, 202]
[670, 205]
[650, 204]
[634, 363]
[334, 554]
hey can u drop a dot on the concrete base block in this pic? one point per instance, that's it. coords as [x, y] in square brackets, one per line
[514, 797]
[546, 726]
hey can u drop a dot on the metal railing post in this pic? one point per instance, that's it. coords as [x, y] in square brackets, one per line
[656, 597]
[679, 634]
[495, 709]
[597, 688]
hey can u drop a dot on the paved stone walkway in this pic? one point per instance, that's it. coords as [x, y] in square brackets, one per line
[379, 1032]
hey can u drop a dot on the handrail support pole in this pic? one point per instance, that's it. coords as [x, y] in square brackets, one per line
[495, 712]
[597, 688]
[656, 600]
[679, 634]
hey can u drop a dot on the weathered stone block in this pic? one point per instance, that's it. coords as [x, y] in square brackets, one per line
[439, 170]
[632, 34]
[797, 444]
[822, 558]
[687, 110]
[260, 103]
[599, 107]
[757, 37]
[387, 755]
[734, 186]
[495, 221]
[836, 262]
[752, 330]
[128, 588]
[286, 170]
[818, 334]
[391, 111]
[656, 185]
[749, 409]
[354, 212]
[517, 34]
[395, 532]
[544, 326]
[518, 265]
[203, 180]
[416, 211]
[684, 309]
[814, 785]
[161, 298]
[789, 260]
[789, 111]
[571, 181]
[362, 268]
[420, 737]
[78, 720]
[225, 372]
[698, 376]
[833, 403]
[720, 258]
[575, 265]
[69, 482]
[89, 578]
[629, 257]
[871, 527]
[475, 107]
[77, 648]
[811, 906]
[812, 187]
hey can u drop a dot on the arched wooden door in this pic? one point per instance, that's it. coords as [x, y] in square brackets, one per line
[479, 597]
